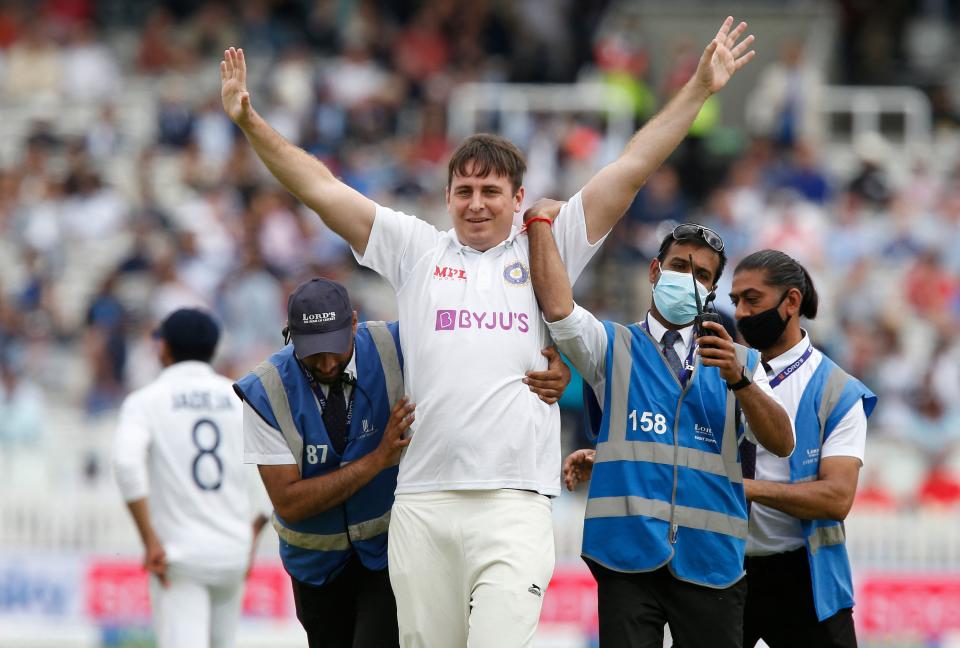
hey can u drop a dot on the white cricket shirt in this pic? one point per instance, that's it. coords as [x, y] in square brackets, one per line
[470, 329]
[179, 444]
[772, 531]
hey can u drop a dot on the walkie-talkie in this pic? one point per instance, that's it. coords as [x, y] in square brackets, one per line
[703, 315]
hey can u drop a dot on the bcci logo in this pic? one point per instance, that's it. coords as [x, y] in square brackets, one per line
[516, 274]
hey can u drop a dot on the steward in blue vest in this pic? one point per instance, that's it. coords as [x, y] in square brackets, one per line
[800, 589]
[666, 518]
[332, 501]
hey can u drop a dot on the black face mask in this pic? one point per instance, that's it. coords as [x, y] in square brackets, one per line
[761, 331]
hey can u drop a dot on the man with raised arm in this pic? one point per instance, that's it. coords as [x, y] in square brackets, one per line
[666, 519]
[471, 538]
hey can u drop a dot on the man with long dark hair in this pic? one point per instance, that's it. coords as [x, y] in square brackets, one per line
[799, 586]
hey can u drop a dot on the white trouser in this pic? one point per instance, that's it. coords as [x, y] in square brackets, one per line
[469, 568]
[192, 612]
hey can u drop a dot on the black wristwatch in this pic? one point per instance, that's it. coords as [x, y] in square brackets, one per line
[743, 382]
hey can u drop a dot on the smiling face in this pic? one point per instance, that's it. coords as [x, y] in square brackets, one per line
[482, 207]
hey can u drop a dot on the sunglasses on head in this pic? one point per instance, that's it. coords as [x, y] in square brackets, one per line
[688, 231]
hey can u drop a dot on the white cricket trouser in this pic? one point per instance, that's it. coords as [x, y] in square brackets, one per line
[470, 568]
[190, 612]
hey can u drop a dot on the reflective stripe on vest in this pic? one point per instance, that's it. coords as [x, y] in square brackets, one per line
[693, 518]
[333, 541]
[836, 382]
[389, 359]
[731, 451]
[826, 536]
[312, 541]
[661, 453]
[620, 386]
[269, 377]
[369, 528]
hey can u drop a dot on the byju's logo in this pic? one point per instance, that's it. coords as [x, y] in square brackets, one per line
[445, 272]
[451, 320]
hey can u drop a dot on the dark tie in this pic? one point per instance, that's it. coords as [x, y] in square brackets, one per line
[669, 339]
[748, 459]
[335, 417]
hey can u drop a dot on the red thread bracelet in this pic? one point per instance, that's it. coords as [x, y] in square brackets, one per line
[542, 219]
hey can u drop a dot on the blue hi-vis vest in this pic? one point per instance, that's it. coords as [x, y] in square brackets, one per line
[315, 550]
[826, 399]
[667, 486]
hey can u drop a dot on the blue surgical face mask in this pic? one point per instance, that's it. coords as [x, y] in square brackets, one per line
[673, 295]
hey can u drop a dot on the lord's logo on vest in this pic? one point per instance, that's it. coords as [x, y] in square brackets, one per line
[366, 429]
[703, 433]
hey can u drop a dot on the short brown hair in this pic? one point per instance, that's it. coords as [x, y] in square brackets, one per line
[488, 153]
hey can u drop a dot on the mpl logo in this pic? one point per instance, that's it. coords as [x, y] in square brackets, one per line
[448, 273]
[451, 320]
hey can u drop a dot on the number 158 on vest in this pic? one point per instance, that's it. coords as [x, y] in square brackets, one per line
[648, 421]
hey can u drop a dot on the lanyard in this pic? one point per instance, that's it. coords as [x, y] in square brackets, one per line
[321, 397]
[687, 364]
[786, 373]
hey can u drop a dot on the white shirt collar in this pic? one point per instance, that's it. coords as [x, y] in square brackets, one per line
[657, 330]
[351, 369]
[791, 355]
[515, 231]
[187, 368]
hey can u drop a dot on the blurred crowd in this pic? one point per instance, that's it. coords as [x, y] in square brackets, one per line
[152, 199]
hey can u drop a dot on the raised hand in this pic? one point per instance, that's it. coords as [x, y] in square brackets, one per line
[233, 86]
[724, 56]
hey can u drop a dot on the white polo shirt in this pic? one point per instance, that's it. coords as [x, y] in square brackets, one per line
[179, 443]
[470, 329]
[772, 531]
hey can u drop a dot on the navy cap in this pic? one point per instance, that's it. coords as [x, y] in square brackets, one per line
[190, 333]
[320, 318]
